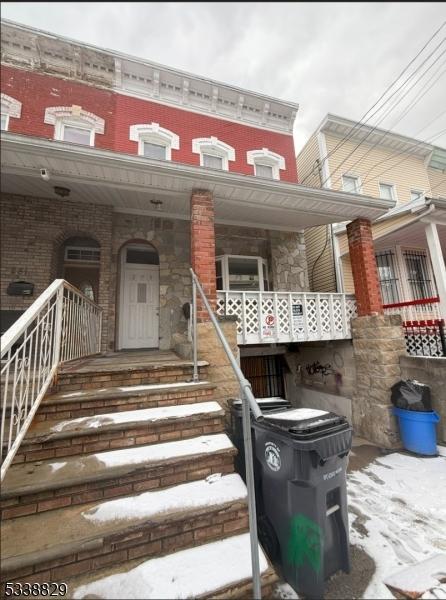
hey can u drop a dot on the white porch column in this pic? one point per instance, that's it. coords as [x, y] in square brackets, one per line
[433, 242]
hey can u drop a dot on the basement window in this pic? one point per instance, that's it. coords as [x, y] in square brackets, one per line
[242, 273]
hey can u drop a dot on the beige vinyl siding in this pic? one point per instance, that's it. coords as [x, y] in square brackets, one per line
[306, 163]
[406, 172]
[437, 181]
[347, 275]
[322, 278]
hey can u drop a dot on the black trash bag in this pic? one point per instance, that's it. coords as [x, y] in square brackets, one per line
[411, 395]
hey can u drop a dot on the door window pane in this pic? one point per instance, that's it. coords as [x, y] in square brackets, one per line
[212, 162]
[350, 184]
[418, 274]
[265, 171]
[243, 274]
[76, 135]
[387, 277]
[142, 293]
[386, 191]
[154, 151]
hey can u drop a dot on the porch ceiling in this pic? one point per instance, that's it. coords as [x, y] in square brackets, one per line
[411, 236]
[128, 183]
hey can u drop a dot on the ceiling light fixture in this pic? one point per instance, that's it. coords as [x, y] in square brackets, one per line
[157, 203]
[61, 191]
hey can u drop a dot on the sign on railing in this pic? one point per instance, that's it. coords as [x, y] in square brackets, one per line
[61, 325]
[269, 317]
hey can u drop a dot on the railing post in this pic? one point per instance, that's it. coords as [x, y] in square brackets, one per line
[442, 336]
[58, 329]
[194, 329]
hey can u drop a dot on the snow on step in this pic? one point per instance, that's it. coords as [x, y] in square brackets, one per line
[188, 573]
[413, 581]
[26, 477]
[299, 414]
[215, 489]
[149, 388]
[132, 416]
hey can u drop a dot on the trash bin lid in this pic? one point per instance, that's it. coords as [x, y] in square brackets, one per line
[266, 403]
[307, 423]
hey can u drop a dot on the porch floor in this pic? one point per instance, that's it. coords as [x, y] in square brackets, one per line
[127, 360]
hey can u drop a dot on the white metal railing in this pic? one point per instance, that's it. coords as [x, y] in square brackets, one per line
[61, 325]
[270, 317]
[426, 309]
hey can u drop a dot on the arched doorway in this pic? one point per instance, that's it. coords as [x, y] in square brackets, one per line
[139, 297]
[79, 261]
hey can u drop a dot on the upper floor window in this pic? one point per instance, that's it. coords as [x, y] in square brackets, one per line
[214, 154]
[10, 107]
[387, 191]
[154, 141]
[415, 194]
[74, 124]
[243, 273]
[351, 183]
[266, 164]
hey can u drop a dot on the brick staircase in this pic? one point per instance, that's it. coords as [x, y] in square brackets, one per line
[127, 473]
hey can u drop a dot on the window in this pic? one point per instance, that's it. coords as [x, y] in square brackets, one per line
[82, 253]
[351, 184]
[154, 151]
[142, 256]
[212, 162]
[10, 108]
[154, 142]
[415, 194]
[76, 135]
[242, 273]
[214, 154]
[73, 124]
[418, 274]
[387, 191]
[266, 164]
[388, 279]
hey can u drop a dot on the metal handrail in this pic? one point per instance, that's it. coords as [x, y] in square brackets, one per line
[248, 402]
[62, 324]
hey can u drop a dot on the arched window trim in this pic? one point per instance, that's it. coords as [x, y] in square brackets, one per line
[154, 134]
[215, 147]
[268, 158]
[75, 116]
[10, 107]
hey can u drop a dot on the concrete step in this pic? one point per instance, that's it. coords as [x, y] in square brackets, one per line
[220, 569]
[30, 488]
[99, 373]
[55, 545]
[85, 435]
[85, 403]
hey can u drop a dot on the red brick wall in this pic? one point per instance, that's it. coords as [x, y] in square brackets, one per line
[202, 254]
[364, 269]
[36, 92]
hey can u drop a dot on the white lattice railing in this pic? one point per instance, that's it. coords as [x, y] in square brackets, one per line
[61, 325]
[266, 317]
[416, 310]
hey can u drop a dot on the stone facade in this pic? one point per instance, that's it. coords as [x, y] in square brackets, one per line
[432, 372]
[288, 262]
[378, 345]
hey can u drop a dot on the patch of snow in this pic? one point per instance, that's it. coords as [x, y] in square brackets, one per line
[285, 592]
[205, 444]
[418, 579]
[185, 574]
[177, 498]
[398, 502]
[441, 450]
[157, 386]
[436, 593]
[142, 415]
[213, 478]
[298, 414]
[57, 465]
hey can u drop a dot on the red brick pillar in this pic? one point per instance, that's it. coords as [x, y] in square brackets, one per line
[202, 235]
[364, 269]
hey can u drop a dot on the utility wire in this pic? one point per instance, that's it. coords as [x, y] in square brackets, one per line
[363, 119]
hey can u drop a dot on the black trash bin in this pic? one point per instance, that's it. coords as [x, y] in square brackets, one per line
[303, 464]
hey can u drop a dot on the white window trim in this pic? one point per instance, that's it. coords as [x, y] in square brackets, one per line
[268, 159]
[73, 116]
[352, 176]
[152, 133]
[392, 186]
[10, 107]
[214, 147]
[224, 258]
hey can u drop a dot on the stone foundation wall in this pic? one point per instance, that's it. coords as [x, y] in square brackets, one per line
[378, 345]
[432, 372]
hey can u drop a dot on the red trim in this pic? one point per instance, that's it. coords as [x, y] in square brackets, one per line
[426, 323]
[433, 300]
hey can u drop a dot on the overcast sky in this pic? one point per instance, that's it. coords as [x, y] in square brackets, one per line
[328, 57]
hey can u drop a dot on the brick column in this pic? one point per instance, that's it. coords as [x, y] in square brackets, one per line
[202, 234]
[365, 272]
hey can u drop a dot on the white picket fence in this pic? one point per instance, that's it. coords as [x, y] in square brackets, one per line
[271, 317]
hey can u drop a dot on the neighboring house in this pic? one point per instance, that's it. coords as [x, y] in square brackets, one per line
[410, 240]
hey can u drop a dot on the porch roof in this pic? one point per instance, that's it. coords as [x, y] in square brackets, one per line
[128, 183]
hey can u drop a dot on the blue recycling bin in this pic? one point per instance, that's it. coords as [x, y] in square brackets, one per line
[418, 430]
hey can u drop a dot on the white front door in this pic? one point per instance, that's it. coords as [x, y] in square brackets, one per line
[139, 314]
